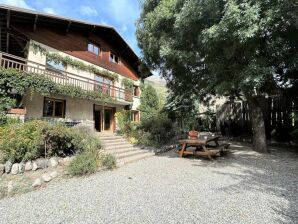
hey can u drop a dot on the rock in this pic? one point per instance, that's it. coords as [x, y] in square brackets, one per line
[10, 186]
[34, 166]
[46, 177]
[54, 174]
[8, 166]
[53, 162]
[37, 183]
[15, 169]
[21, 167]
[2, 168]
[41, 163]
[28, 166]
[66, 161]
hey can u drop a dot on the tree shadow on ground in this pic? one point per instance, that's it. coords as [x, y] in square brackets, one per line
[275, 173]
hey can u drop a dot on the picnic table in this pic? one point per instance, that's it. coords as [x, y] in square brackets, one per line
[200, 143]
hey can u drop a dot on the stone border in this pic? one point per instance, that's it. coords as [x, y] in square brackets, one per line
[20, 168]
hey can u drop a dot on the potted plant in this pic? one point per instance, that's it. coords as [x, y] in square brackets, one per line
[193, 134]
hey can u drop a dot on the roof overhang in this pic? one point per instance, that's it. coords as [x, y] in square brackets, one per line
[108, 33]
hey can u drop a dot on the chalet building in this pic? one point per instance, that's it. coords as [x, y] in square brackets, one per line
[91, 57]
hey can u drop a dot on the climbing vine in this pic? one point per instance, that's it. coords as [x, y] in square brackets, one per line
[14, 82]
[57, 58]
[128, 84]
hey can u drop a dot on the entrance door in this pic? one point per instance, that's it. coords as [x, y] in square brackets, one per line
[97, 119]
[108, 119]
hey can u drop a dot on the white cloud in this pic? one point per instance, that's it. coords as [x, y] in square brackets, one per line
[17, 3]
[88, 11]
[49, 10]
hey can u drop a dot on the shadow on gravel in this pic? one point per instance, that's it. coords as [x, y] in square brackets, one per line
[275, 173]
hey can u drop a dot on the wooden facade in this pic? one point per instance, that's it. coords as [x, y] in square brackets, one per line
[76, 44]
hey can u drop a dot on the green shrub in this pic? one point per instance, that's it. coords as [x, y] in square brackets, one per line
[22, 141]
[27, 141]
[83, 164]
[109, 161]
[61, 140]
[160, 129]
[124, 121]
[294, 135]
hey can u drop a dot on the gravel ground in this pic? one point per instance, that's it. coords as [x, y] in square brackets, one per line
[243, 187]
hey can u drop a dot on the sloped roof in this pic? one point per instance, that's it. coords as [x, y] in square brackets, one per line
[21, 15]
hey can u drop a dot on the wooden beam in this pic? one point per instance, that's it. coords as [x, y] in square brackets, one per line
[91, 31]
[68, 27]
[22, 45]
[35, 23]
[7, 30]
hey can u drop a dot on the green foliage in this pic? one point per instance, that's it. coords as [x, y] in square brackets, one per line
[221, 47]
[109, 161]
[27, 141]
[57, 58]
[82, 164]
[227, 48]
[160, 128]
[21, 142]
[128, 84]
[124, 121]
[294, 135]
[149, 102]
[18, 82]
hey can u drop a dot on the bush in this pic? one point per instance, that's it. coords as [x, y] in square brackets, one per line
[124, 121]
[109, 161]
[26, 141]
[294, 135]
[83, 164]
[160, 129]
[21, 142]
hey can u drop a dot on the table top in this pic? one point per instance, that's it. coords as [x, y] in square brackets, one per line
[200, 140]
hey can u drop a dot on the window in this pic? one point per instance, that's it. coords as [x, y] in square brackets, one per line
[136, 91]
[54, 108]
[55, 66]
[105, 84]
[135, 116]
[93, 48]
[114, 58]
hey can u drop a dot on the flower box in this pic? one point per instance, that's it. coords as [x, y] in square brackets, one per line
[16, 111]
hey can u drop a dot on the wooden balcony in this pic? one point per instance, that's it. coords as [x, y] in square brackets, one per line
[64, 78]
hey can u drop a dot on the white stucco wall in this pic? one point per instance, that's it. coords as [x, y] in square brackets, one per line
[78, 110]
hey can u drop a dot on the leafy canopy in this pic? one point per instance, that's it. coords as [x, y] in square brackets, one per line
[221, 47]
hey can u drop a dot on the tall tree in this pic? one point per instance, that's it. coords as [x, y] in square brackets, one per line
[242, 48]
[149, 102]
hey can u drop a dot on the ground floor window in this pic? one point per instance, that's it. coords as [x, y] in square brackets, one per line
[135, 116]
[53, 108]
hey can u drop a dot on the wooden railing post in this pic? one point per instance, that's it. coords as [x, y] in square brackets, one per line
[0, 59]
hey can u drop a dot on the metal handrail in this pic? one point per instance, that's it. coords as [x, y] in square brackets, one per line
[63, 77]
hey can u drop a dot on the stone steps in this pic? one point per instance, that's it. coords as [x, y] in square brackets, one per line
[122, 149]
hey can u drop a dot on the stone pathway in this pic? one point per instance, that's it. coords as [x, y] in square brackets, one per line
[244, 187]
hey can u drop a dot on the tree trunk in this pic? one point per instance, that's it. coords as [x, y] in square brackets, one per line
[257, 124]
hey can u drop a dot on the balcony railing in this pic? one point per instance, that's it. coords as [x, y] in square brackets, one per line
[64, 78]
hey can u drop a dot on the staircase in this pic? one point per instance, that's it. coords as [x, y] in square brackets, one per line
[122, 149]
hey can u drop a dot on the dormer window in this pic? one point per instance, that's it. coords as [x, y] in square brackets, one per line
[93, 48]
[114, 58]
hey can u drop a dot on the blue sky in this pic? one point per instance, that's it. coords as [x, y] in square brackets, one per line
[121, 14]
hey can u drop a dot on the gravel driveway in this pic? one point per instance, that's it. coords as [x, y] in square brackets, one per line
[244, 187]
